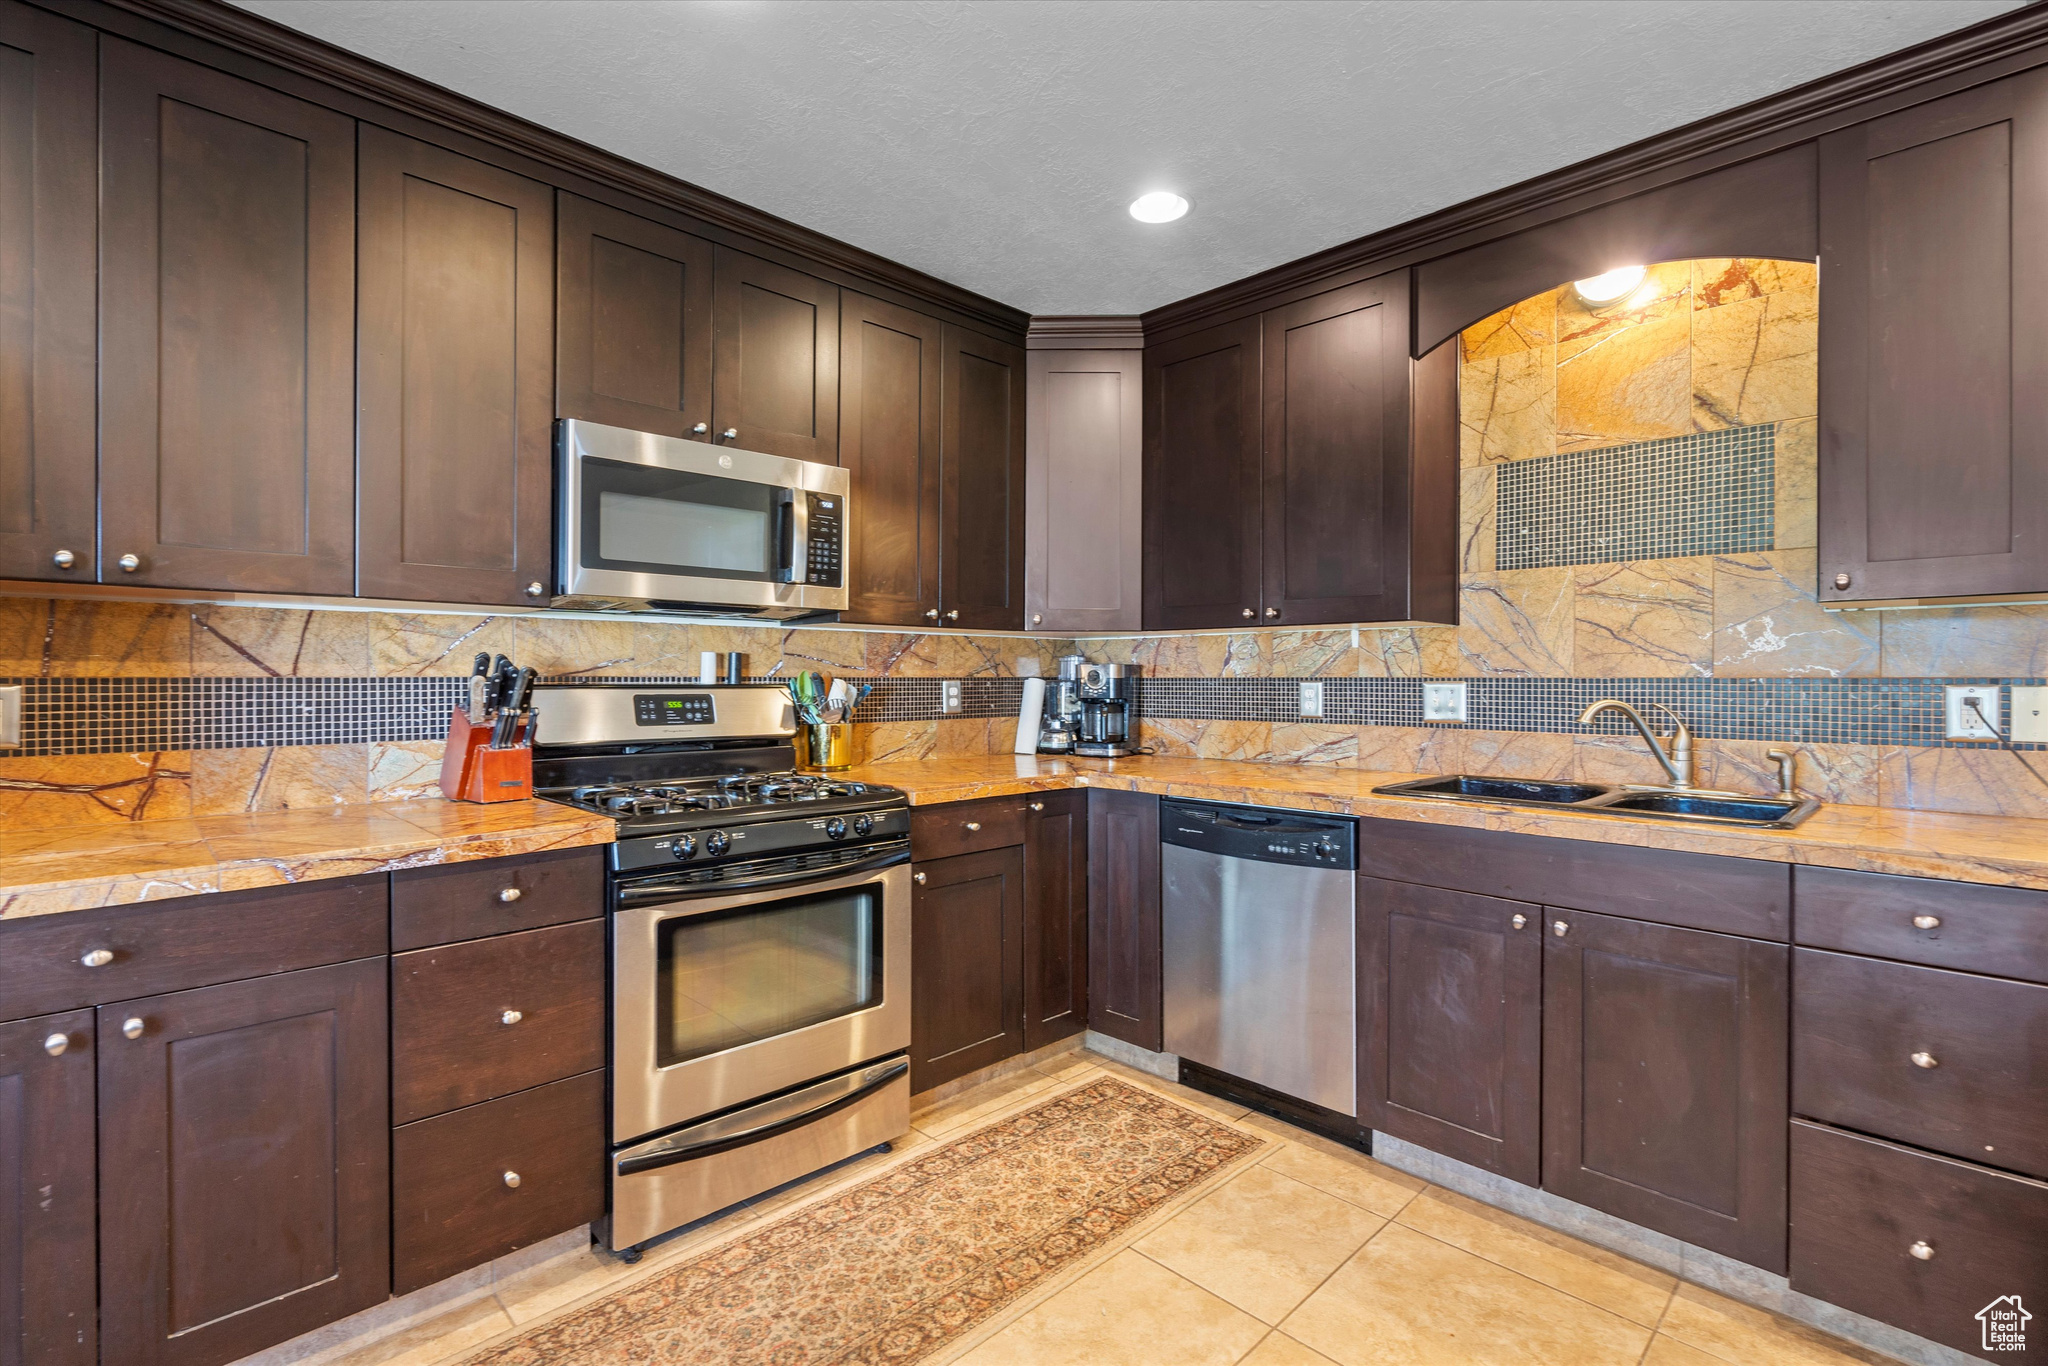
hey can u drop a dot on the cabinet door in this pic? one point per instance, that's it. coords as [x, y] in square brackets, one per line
[47, 237]
[1056, 918]
[981, 580]
[633, 302]
[245, 1192]
[1335, 468]
[1084, 467]
[775, 375]
[1123, 911]
[1202, 479]
[1934, 348]
[889, 443]
[1664, 1079]
[227, 323]
[966, 996]
[47, 1250]
[1451, 1023]
[457, 348]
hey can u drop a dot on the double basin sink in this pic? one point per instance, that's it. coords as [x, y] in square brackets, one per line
[1696, 805]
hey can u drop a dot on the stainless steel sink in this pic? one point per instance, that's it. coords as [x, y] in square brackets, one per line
[1700, 806]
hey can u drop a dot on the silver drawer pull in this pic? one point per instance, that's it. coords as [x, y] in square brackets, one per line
[1038, 806]
[56, 1044]
[1926, 1060]
[974, 825]
[510, 894]
[98, 958]
[132, 1027]
[512, 1017]
[1926, 922]
[1923, 1250]
[1559, 928]
[1518, 920]
[512, 1180]
[918, 878]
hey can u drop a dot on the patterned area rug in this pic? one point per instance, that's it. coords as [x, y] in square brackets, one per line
[894, 1268]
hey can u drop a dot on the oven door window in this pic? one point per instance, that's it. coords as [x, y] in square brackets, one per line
[735, 977]
[645, 520]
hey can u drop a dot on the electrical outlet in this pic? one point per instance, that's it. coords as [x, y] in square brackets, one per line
[1972, 711]
[2030, 716]
[10, 716]
[1443, 701]
[949, 696]
[1311, 700]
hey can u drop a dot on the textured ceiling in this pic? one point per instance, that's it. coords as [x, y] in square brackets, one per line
[997, 144]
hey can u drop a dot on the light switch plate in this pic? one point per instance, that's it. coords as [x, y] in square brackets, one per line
[1443, 701]
[1311, 700]
[2030, 716]
[10, 716]
[949, 696]
[1966, 722]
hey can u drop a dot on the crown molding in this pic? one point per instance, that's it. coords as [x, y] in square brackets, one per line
[1084, 332]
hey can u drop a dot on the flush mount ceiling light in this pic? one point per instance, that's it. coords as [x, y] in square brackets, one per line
[1160, 206]
[1611, 287]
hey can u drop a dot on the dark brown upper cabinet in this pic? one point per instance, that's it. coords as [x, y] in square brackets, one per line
[1934, 348]
[889, 386]
[981, 576]
[1202, 476]
[47, 245]
[775, 375]
[47, 1245]
[457, 351]
[633, 319]
[227, 331]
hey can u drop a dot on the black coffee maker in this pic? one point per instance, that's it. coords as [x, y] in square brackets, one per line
[1105, 724]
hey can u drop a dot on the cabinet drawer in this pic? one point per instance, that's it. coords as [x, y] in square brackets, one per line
[1999, 930]
[966, 827]
[1860, 1205]
[1858, 1024]
[450, 1045]
[452, 1204]
[496, 896]
[191, 941]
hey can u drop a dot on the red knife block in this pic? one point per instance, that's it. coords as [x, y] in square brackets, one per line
[471, 771]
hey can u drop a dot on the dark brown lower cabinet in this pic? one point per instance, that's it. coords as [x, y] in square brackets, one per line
[1124, 984]
[244, 1163]
[1451, 1023]
[1665, 1079]
[1056, 918]
[47, 1305]
[966, 935]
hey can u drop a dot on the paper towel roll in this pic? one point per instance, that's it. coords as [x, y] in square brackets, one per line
[707, 666]
[1028, 715]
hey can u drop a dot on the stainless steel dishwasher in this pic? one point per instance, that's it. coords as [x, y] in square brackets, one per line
[1260, 960]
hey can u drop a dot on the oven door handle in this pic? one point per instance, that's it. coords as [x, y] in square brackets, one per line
[632, 894]
[831, 1097]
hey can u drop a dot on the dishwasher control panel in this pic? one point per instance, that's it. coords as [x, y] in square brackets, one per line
[1309, 839]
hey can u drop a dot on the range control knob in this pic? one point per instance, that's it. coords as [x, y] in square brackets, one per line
[685, 846]
[835, 829]
[717, 842]
[863, 825]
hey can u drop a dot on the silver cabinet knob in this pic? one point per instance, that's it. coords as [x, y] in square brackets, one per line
[700, 429]
[931, 614]
[1926, 1060]
[1248, 614]
[63, 559]
[129, 563]
[98, 958]
[56, 1044]
[953, 615]
[510, 894]
[731, 433]
[1037, 618]
[1926, 922]
[535, 589]
[974, 825]
[512, 1017]
[918, 878]
[1038, 806]
[133, 1027]
[512, 1180]
[1842, 581]
[1559, 928]
[1923, 1249]
[1519, 920]
[1272, 612]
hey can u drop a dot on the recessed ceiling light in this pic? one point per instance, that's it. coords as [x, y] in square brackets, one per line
[1160, 206]
[1614, 285]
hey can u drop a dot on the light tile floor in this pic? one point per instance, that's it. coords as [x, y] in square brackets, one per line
[1314, 1255]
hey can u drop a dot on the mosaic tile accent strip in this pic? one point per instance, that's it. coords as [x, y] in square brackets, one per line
[1710, 493]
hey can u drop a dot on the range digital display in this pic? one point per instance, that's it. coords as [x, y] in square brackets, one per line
[673, 709]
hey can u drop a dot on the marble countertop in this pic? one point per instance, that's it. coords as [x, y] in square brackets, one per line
[2004, 850]
[79, 867]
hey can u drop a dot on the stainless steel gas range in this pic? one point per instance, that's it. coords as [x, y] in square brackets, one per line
[760, 945]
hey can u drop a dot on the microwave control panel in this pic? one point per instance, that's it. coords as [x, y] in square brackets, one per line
[823, 557]
[673, 709]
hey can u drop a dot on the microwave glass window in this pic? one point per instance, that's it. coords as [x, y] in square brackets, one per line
[631, 526]
[734, 977]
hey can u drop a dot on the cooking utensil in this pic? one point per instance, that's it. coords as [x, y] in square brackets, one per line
[479, 690]
[515, 703]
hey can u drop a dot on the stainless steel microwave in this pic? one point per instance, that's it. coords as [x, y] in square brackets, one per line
[657, 523]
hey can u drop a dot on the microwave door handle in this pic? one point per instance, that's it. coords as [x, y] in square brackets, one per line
[786, 536]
